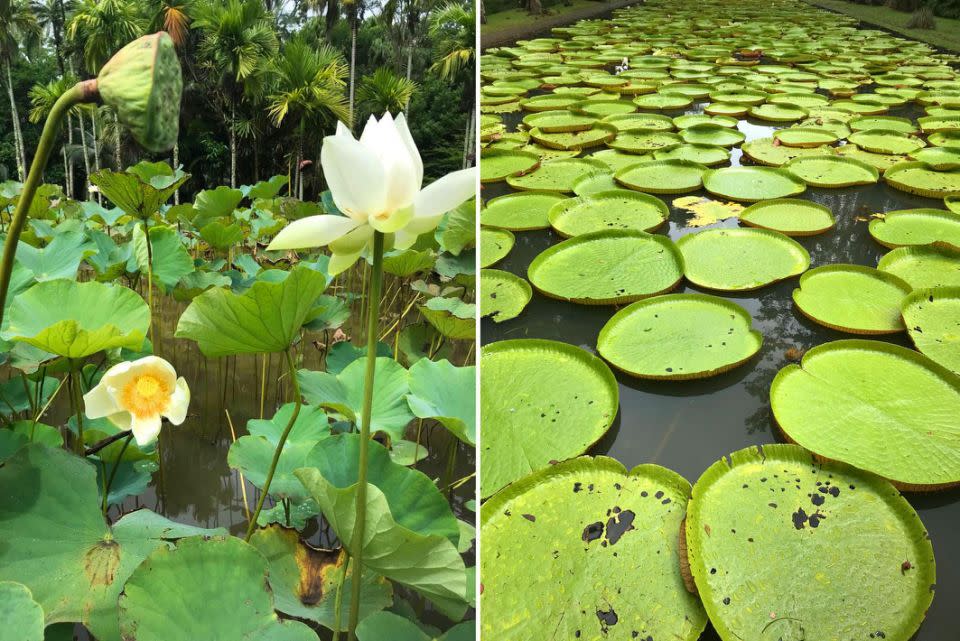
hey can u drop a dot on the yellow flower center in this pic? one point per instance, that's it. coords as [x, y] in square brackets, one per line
[146, 394]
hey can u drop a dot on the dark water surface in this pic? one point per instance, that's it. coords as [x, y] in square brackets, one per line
[688, 425]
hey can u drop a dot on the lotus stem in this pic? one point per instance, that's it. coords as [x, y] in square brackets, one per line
[338, 599]
[85, 91]
[360, 521]
[99, 445]
[297, 402]
[113, 472]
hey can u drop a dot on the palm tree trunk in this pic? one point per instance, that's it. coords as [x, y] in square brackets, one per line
[233, 146]
[96, 149]
[176, 163]
[468, 137]
[483, 12]
[413, 42]
[86, 158]
[117, 154]
[300, 163]
[17, 134]
[353, 62]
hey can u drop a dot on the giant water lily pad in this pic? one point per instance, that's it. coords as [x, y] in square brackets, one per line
[880, 407]
[598, 134]
[57, 543]
[411, 535]
[923, 266]
[766, 151]
[503, 295]
[559, 121]
[679, 337]
[498, 164]
[932, 317]
[265, 318]
[343, 393]
[740, 259]
[612, 209]
[770, 536]
[712, 134]
[916, 227]
[521, 211]
[304, 579]
[939, 158]
[76, 320]
[805, 136]
[557, 175]
[662, 176]
[884, 141]
[852, 298]
[495, 244]
[541, 401]
[881, 162]
[708, 155]
[225, 575]
[923, 180]
[604, 526]
[607, 267]
[833, 171]
[644, 141]
[790, 216]
[751, 184]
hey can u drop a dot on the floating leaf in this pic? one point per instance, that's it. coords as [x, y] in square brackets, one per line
[503, 296]
[520, 211]
[770, 534]
[832, 171]
[533, 387]
[924, 266]
[751, 184]
[662, 176]
[611, 209]
[852, 298]
[932, 317]
[916, 227]
[740, 259]
[838, 403]
[495, 244]
[789, 216]
[706, 211]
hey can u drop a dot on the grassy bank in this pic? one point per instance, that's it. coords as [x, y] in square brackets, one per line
[946, 35]
[504, 27]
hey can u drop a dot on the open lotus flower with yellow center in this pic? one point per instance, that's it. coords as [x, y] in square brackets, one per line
[375, 182]
[137, 395]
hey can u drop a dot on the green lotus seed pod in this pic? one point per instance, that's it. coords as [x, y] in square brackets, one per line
[143, 83]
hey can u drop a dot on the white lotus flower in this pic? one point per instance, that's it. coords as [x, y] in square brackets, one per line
[375, 182]
[135, 395]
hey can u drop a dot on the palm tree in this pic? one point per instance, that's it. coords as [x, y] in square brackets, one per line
[405, 20]
[383, 91]
[42, 98]
[355, 10]
[237, 41]
[172, 16]
[19, 32]
[453, 30]
[308, 87]
[52, 17]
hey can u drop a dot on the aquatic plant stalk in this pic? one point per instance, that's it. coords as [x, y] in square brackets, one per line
[85, 91]
[338, 599]
[113, 472]
[297, 402]
[360, 522]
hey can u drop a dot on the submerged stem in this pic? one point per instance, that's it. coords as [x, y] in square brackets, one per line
[360, 522]
[297, 402]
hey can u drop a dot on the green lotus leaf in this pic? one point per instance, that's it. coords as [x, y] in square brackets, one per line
[556, 175]
[252, 455]
[708, 155]
[458, 228]
[644, 141]
[885, 141]
[852, 298]
[141, 189]
[387, 625]
[662, 176]
[304, 579]
[59, 259]
[269, 188]
[265, 318]
[143, 84]
[939, 158]
[498, 164]
[679, 337]
[503, 296]
[541, 401]
[343, 353]
[837, 403]
[765, 151]
[751, 184]
[163, 597]
[604, 526]
[833, 171]
[222, 236]
[597, 135]
[411, 535]
[607, 267]
[447, 394]
[924, 266]
[916, 227]
[57, 544]
[495, 244]
[22, 616]
[451, 317]
[109, 261]
[789, 216]
[295, 514]
[922, 179]
[932, 317]
[408, 262]
[170, 259]
[769, 536]
[76, 320]
[23, 432]
[343, 393]
[520, 211]
[805, 136]
[211, 204]
[740, 259]
[612, 209]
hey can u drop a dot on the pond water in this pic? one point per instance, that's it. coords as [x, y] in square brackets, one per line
[687, 425]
